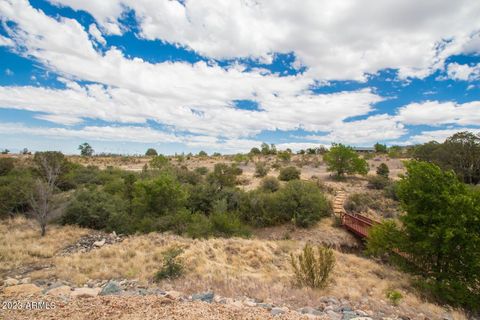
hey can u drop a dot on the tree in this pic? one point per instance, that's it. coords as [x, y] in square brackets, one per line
[5, 151]
[383, 170]
[255, 151]
[265, 149]
[85, 150]
[151, 152]
[380, 148]
[440, 232]
[223, 176]
[129, 181]
[284, 155]
[202, 154]
[344, 160]
[49, 165]
[25, 151]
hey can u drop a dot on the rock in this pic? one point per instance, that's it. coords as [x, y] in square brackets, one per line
[362, 318]
[267, 306]
[310, 310]
[447, 316]
[112, 287]
[250, 303]
[85, 292]
[361, 313]
[59, 291]
[22, 289]
[348, 315]
[99, 243]
[10, 282]
[237, 304]
[333, 315]
[277, 311]
[206, 297]
[25, 280]
[173, 295]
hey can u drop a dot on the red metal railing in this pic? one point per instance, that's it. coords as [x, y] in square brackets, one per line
[358, 224]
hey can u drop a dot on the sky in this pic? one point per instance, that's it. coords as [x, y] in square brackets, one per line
[225, 76]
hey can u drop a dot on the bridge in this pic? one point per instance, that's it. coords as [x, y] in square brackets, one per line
[356, 223]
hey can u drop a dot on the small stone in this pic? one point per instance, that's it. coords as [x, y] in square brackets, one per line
[361, 313]
[348, 315]
[277, 311]
[237, 304]
[22, 289]
[206, 297]
[85, 292]
[361, 318]
[59, 291]
[10, 282]
[99, 243]
[112, 287]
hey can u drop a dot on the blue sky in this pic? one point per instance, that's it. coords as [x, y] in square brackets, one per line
[225, 76]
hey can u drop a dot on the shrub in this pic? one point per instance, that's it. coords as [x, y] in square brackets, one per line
[383, 170]
[92, 208]
[223, 175]
[159, 196]
[394, 296]
[358, 202]
[186, 176]
[313, 270]
[201, 170]
[172, 267]
[270, 184]
[284, 156]
[176, 222]
[378, 182]
[302, 202]
[261, 169]
[199, 226]
[159, 162]
[289, 173]
[15, 190]
[225, 224]
[202, 154]
[6, 165]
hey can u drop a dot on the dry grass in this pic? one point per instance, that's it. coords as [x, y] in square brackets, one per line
[236, 267]
[21, 243]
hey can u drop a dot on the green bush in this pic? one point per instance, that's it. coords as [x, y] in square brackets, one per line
[394, 296]
[284, 156]
[92, 208]
[383, 170]
[6, 165]
[159, 162]
[378, 182]
[172, 267]
[199, 226]
[201, 170]
[358, 202]
[343, 160]
[289, 173]
[303, 201]
[15, 190]
[313, 270]
[270, 184]
[159, 196]
[223, 175]
[261, 169]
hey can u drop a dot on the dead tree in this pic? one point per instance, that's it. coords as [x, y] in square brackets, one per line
[49, 165]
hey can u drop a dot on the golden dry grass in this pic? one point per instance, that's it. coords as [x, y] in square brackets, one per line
[235, 267]
[21, 243]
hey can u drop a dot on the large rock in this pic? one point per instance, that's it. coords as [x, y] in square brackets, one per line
[277, 311]
[85, 292]
[309, 310]
[112, 287]
[22, 289]
[10, 282]
[206, 296]
[60, 291]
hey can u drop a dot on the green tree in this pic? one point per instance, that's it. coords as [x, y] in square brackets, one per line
[265, 149]
[261, 169]
[284, 155]
[255, 151]
[129, 181]
[440, 232]
[383, 170]
[380, 148]
[202, 154]
[151, 152]
[344, 160]
[223, 176]
[85, 150]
